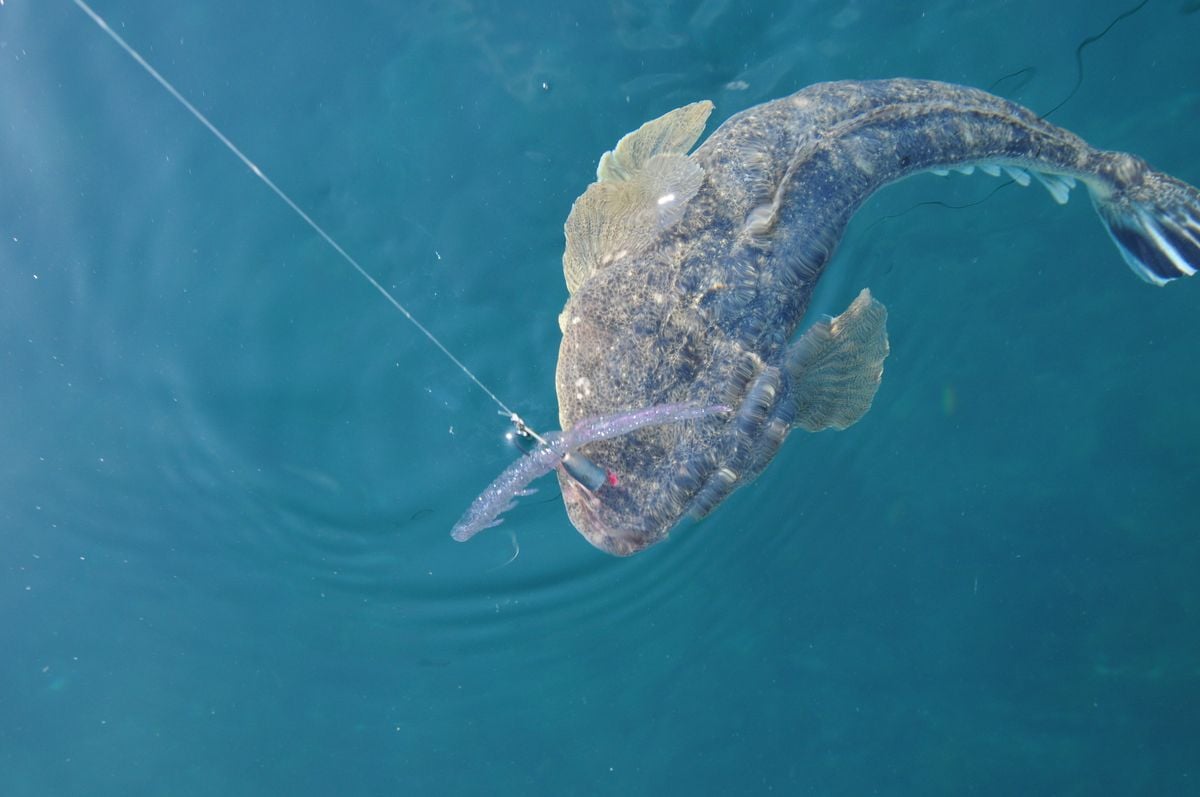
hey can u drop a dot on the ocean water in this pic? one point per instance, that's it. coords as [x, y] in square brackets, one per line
[228, 468]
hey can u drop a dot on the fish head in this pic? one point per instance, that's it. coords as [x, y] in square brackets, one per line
[621, 354]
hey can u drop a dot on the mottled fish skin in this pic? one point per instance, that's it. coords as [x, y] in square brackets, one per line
[706, 313]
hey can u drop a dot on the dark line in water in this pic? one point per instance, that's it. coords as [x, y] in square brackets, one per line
[1079, 53]
[938, 203]
[1029, 72]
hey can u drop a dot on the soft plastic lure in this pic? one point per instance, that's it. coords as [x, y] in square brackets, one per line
[558, 449]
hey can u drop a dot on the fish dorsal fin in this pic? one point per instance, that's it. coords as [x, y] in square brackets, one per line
[642, 188]
[673, 133]
[836, 366]
[620, 218]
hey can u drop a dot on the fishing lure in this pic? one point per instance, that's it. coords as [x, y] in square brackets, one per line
[558, 450]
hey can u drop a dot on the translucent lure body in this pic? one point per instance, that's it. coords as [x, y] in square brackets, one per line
[501, 495]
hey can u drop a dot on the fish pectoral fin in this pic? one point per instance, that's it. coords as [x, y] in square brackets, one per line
[616, 219]
[836, 365]
[673, 133]
[642, 187]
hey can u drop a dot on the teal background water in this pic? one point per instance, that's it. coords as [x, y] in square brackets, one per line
[228, 469]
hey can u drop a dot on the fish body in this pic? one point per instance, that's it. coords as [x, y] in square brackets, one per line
[689, 274]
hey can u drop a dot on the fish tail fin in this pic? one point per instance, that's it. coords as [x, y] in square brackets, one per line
[1153, 219]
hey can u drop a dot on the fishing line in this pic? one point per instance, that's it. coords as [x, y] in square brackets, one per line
[513, 417]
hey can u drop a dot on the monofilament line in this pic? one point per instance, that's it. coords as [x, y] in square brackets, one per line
[194, 111]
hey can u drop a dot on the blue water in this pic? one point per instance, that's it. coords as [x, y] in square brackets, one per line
[228, 468]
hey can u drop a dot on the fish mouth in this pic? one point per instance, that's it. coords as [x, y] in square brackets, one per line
[597, 516]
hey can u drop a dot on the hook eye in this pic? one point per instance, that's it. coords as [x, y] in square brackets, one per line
[523, 442]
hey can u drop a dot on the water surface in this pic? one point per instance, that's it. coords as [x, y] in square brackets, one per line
[230, 469]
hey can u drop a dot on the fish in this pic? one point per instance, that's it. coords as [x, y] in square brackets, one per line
[689, 273]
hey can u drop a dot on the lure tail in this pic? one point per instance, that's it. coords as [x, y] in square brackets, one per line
[1153, 219]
